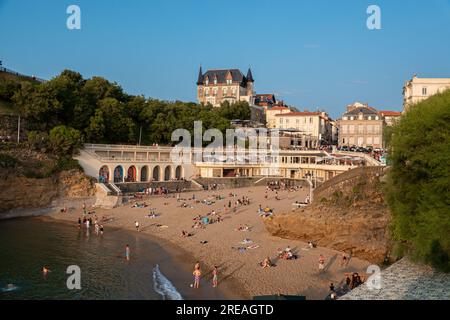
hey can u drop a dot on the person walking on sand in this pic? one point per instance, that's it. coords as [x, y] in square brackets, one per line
[136, 223]
[127, 252]
[79, 223]
[197, 273]
[321, 263]
[215, 274]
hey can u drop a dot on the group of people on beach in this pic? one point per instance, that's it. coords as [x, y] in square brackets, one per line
[88, 222]
[198, 273]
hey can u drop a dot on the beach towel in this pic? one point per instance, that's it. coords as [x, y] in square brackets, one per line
[253, 246]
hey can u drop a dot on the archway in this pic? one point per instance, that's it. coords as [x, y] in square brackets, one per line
[179, 172]
[144, 174]
[156, 173]
[167, 173]
[103, 174]
[118, 174]
[131, 174]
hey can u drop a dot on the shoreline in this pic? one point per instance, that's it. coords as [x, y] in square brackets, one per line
[182, 258]
[240, 277]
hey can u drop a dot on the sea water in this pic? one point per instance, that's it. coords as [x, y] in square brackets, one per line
[29, 244]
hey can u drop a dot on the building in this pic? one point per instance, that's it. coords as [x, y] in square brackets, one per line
[390, 117]
[419, 89]
[272, 112]
[266, 101]
[217, 86]
[361, 126]
[313, 124]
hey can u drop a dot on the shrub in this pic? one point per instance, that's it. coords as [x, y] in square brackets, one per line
[418, 186]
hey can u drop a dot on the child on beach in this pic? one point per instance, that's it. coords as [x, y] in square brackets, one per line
[215, 274]
[136, 223]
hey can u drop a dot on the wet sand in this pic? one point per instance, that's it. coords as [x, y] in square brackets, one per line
[240, 276]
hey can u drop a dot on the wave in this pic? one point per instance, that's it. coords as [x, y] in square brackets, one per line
[164, 287]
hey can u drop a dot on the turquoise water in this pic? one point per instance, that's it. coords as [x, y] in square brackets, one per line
[26, 245]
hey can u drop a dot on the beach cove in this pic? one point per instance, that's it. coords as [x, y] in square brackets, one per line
[237, 254]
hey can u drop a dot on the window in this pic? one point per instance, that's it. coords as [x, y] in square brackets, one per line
[287, 121]
[281, 120]
[207, 81]
[344, 128]
[215, 92]
[376, 141]
[215, 81]
[225, 91]
[229, 81]
[369, 141]
[424, 91]
[360, 129]
[360, 117]
[369, 118]
[297, 121]
[369, 128]
[345, 118]
[206, 92]
[352, 129]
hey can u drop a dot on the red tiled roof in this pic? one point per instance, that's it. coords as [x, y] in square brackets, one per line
[390, 113]
[279, 108]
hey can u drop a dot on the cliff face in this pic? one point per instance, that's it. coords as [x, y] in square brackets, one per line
[350, 216]
[21, 192]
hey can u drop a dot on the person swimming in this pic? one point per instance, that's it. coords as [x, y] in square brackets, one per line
[9, 287]
[45, 270]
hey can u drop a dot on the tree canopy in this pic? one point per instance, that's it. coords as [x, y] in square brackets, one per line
[418, 190]
[103, 113]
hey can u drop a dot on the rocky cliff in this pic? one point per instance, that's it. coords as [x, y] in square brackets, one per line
[23, 193]
[350, 216]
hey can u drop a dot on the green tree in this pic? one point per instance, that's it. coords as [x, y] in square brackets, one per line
[64, 141]
[418, 190]
[239, 110]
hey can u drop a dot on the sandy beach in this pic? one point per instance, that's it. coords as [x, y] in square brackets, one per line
[239, 270]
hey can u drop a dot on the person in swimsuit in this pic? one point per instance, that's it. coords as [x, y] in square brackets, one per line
[215, 274]
[45, 270]
[197, 273]
[137, 225]
[127, 252]
[321, 263]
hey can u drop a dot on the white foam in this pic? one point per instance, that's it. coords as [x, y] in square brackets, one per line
[164, 287]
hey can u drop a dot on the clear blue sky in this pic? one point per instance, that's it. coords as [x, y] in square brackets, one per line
[310, 53]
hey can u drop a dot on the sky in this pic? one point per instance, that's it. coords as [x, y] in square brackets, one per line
[313, 54]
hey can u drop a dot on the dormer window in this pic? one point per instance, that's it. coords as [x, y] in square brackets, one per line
[229, 81]
[207, 81]
[215, 81]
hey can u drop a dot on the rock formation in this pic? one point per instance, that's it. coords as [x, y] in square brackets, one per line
[349, 216]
